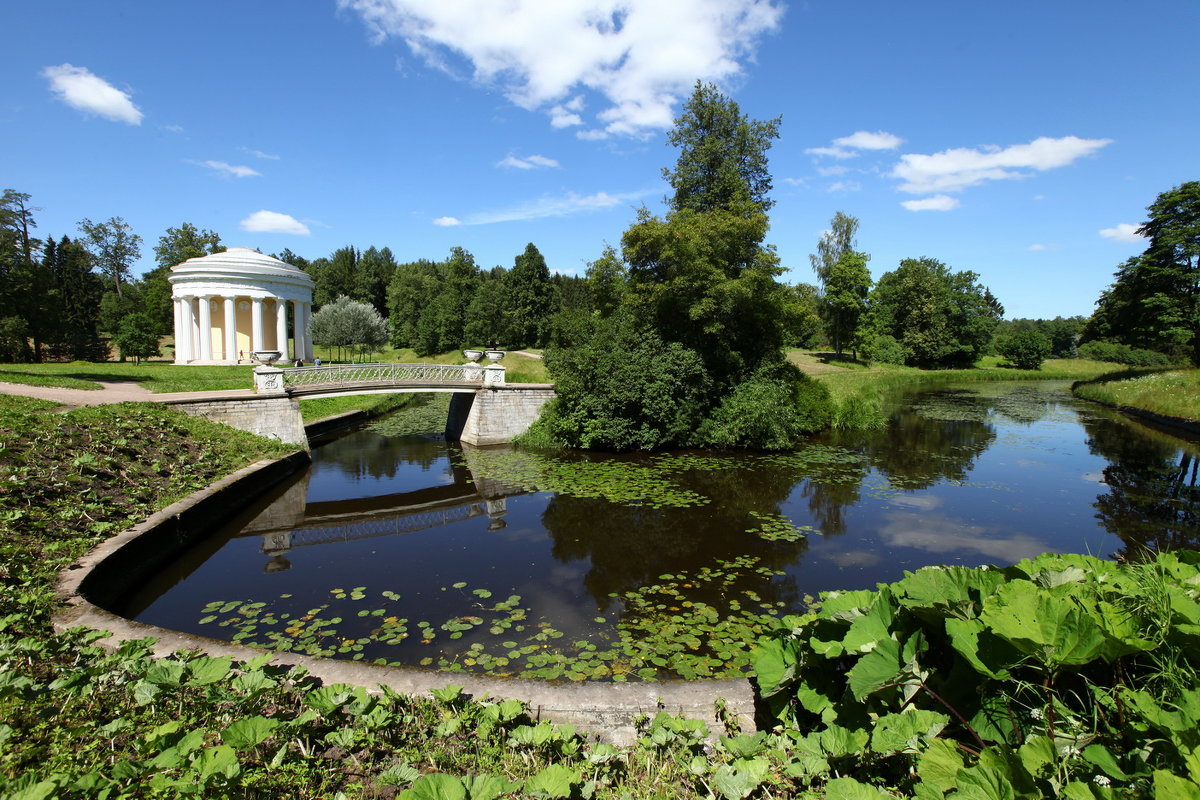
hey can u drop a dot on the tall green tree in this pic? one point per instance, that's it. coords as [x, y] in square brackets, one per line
[138, 337]
[846, 288]
[833, 244]
[114, 246]
[16, 216]
[79, 291]
[529, 296]
[803, 325]
[722, 161]
[607, 278]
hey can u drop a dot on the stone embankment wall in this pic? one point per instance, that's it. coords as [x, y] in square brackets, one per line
[275, 417]
[496, 416]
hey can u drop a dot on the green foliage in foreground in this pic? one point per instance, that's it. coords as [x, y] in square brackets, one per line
[1064, 676]
[1174, 393]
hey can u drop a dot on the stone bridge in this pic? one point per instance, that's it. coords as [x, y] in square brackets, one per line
[485, 408]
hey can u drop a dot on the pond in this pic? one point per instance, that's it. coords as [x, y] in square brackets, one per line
[410, 550]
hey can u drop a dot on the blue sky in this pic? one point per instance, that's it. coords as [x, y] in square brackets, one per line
[1021, 140]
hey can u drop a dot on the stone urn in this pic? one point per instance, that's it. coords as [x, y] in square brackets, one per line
[473, 355]
[266, 357]
[494, 356]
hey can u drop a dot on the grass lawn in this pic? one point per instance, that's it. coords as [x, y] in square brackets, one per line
[1174, 392]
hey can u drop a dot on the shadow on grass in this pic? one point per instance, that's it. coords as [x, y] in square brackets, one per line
[1123, 375]
[844, 360]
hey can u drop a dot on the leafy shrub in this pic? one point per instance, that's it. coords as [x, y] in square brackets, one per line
[1064, 676]
[885, 349]
[1122, 354]
[626, 389]
[768, 411]
[1026, 349]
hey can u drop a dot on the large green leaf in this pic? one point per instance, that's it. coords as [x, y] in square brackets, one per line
[850, 789]
[775, 665]
[437, 786]
[488, 787]
[939, 765]
[246, 733]
[906, 732]
[983, 783]
[1053, 629]
[878, 668]
[738, 780]
[1173, 787]
[983, 650]
[949, 590]
[205, 669]
[555, 781]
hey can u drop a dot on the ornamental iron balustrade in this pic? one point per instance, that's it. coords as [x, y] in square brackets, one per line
[338, 374]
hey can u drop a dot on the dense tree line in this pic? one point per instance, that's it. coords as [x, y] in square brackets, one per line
[70, 298]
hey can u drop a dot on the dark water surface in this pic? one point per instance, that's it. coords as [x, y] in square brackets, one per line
[387, 548]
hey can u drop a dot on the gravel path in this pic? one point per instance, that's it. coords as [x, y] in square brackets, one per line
[111, 392]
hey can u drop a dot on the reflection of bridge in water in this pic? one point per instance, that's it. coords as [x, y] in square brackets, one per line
[291, 522]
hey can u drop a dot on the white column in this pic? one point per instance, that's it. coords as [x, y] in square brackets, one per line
[281, 327]
[298, 329]
[206, 353]
[187, 319]
[230, 331]
[177, 328]
[256, 324]
[307, 315]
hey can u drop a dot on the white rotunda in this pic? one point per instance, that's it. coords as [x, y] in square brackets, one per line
[227, 305]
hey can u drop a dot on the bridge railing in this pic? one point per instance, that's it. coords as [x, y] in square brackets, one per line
[325, 375]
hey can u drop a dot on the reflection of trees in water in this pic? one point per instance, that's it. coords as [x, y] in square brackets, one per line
[629, 547]
[366, 454]
[1153, 497]
[915, 452]
[828, 501]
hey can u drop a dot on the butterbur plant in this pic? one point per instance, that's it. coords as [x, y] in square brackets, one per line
[1057, 677]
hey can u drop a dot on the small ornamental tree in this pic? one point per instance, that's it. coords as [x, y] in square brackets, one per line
[138, 337]
[349, 324]
[1026, 349]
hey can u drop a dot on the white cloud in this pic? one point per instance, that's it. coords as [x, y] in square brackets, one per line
[939, 202]
[532, 162]
[829, 172]
[447, 222]
[273, 222]
[173, 128]
[563, 206]
[260, 154]
[80, 89]
[865, 140]
[832, 152]
[1122, 233]
[642, 56]
[230, 170]
[845, 186]
[1038, 248]
[568, 114]
[796, 181]
[959, 168]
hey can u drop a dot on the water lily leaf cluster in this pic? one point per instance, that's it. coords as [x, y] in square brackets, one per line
[1061, 676]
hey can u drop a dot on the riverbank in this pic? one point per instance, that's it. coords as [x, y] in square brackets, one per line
[857, 390]
[1168, 397]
